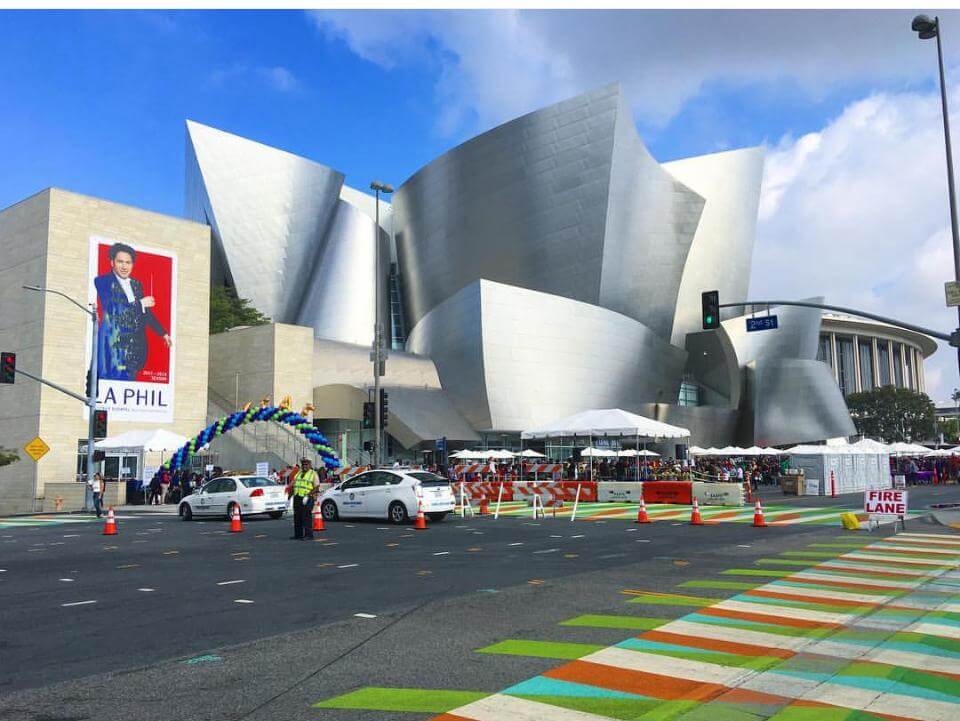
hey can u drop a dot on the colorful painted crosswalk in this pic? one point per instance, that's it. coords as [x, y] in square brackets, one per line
[857, 636]
[775, 514]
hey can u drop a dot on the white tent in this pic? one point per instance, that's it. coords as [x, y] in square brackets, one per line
[868, 445]
[850, 467]
[147, 441]
[530, 453]
[607, 422]
[908, 449]
[696, 451]
[630, 453]
[597, 453]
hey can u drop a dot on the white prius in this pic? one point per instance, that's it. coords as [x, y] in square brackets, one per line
[390, 494]
[251, 494]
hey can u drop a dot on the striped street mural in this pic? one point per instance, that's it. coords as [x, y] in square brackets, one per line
[775, 515]
[859, 632]
[51, 520]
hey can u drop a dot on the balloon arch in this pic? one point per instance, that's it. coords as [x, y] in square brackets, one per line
[267, 413]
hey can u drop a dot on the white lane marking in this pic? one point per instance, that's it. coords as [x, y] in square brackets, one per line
[438, 553]
[379, 528]
[739, 545]
[365, 615]
[639, 540]
[349, 565]
[519, 543]
[242, 600]
[577, 536]
[72, 535]
[631, 530]
[553, 535]
[548, 550]
[3, 570]
[68, 580]
[147, 590]
[77, 603]
[230, 583]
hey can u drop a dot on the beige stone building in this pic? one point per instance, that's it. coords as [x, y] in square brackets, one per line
[45, 240]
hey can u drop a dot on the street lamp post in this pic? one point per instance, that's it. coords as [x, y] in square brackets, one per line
[926, 29]
[378, 356]
[92, 372]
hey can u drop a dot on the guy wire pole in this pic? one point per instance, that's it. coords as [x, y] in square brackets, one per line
[92, 395]
[376, 328]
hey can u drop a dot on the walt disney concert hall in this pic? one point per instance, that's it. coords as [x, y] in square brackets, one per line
[547, 266]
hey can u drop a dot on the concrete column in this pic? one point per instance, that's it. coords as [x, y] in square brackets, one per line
[856, 364]
[893, 375]
[922, 385]
[875, 358]
[833, 358]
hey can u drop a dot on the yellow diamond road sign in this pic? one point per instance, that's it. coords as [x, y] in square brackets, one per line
[36, 448]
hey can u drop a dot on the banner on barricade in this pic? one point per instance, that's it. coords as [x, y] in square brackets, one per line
[718, 494]
[667, 492]
[618, 492]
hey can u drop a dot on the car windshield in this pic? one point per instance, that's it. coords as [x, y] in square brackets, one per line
[429, 479]
[256, 482]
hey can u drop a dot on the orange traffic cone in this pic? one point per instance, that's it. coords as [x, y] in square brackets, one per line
[317, 519]
[110, 527]
[695, 519]
[642, 516]
[236, 526]
[420, 524]
[758, 521]
[484, 507]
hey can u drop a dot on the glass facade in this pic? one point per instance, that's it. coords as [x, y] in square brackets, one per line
[846, 365]
[689, 394]
[908, 359]
[883, 361]
[866, 364]
[898, 364]
[823, 352]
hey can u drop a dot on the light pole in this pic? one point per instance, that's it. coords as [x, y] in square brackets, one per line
[926, 29]
[92, 372]
[378, 356]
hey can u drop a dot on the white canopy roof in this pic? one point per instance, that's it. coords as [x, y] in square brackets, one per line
[868, 445]
[597, 453]
[148, 441]
[530, 453]
[909, 449]
[607, 422]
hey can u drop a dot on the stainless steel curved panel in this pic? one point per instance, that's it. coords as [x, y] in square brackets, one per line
[794, 401]
[722, 249]
[650, 224]
[523, 204]
[541, 356]
[712, 361]
[339, 297]
[797, 335]
[269, 210]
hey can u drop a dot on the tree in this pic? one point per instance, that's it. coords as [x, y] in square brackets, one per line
[8, 457]
[228, 310]
[893, 414]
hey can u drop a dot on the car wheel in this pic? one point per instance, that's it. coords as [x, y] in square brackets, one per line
[186, 513]
[276, 514]
[329, 511]
[435, 517]
[397, 512]
[230, 507]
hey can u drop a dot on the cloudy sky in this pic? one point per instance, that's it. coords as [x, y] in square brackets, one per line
[854, 204]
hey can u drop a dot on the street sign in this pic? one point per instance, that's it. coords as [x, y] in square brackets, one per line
[885, 502]
[441, 444]
[952, 290]
[263, 469]
[763, 322]
[36, 448]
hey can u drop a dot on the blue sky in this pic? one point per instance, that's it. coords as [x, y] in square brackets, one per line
[853, 206]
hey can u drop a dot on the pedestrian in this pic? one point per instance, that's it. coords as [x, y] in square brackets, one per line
[304, 488]
[153, 490]
[97, 488]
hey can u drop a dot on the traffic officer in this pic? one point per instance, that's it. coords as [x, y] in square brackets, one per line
[304, 487]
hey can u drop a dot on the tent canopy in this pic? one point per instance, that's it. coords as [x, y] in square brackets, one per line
[530, 453]
[597, 453]
[147, 441]
[868, 445]
[908, 449]
[607, 422]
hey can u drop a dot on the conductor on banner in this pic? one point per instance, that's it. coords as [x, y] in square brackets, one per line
[125, 314]
[305, 486]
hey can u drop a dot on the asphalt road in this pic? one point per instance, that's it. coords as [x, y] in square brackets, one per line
[189, 621]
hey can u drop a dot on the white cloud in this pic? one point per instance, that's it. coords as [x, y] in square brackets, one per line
[494, 65]
[276, 77]
[858, 212]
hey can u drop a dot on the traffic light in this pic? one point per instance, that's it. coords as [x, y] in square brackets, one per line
[710, 301]
[368, 414]
[368, 446]
[99, 424]
[383, 408]
[8, 367]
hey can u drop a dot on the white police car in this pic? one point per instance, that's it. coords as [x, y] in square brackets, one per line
[251, 494]
[390, 494]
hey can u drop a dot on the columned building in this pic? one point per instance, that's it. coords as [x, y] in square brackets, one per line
[866, 354]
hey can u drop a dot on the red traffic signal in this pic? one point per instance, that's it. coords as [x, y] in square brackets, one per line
[99, 424]
[8, 367]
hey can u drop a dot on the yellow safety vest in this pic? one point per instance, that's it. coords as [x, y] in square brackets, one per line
[304, 482]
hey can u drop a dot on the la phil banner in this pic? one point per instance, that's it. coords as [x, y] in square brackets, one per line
[134, 287]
